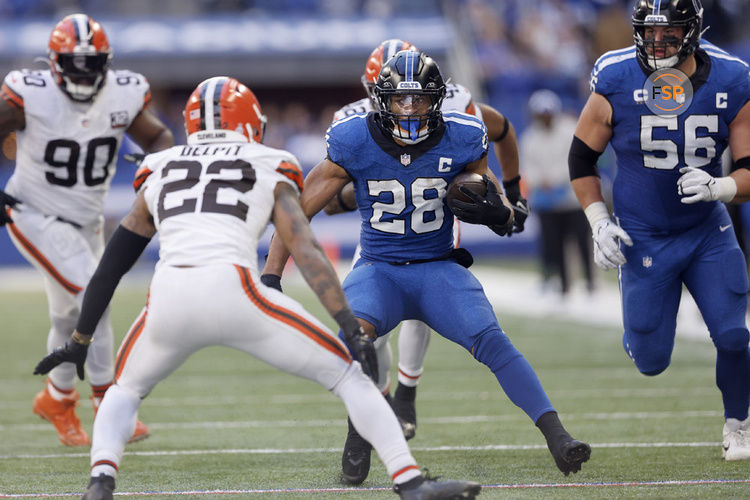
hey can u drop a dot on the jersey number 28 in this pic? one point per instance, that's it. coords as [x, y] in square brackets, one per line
[427, 195]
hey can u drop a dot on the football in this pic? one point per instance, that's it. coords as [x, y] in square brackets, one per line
[472, 181]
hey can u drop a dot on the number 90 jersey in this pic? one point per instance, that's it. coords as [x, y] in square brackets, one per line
[651, 149]
[211, 203]
[67, 152]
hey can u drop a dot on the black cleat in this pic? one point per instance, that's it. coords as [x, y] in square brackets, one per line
[431, 489]
[100, 488]
[405, 410]
[570, 454]
[355, 461]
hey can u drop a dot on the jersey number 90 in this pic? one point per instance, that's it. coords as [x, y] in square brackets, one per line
[63, 154]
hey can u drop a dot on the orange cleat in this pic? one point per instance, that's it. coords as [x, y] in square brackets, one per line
[63, 416]
[141, 430]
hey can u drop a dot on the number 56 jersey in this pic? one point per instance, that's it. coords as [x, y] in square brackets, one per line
[651, 149]
[212, 202]
[66, 154]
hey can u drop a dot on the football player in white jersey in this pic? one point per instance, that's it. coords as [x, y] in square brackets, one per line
[211, 200]
[414, 336]
[69, 122]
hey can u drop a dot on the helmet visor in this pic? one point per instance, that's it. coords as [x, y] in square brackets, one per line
[83, 69]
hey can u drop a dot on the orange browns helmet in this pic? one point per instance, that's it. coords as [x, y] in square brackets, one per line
[377, 59]
[79, 56]
[221, 109]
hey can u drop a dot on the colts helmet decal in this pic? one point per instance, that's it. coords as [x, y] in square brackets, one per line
[410, 76]
[221, 109]
[378, 57]
[79, 56]
[685, 14]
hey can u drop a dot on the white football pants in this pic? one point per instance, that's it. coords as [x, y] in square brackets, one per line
[227, 305]
[67, 257]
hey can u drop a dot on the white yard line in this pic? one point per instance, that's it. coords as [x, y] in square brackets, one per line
[298, 451]
[451, 420]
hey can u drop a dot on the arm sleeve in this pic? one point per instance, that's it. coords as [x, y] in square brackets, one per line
[122, 252]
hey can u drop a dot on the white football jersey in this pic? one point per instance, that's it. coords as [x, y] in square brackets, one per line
[457, 98]
[66, 155]
[212, 202]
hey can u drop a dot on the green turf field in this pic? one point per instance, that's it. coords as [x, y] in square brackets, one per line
[226, 423]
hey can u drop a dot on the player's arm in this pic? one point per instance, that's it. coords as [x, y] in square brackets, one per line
[492, 210]
[739, 143]
[593, 132]
[321, 185]
[122, 251]
[344, 201]
[502, 134]
[11, 119]
[294, 232]
[150, 133]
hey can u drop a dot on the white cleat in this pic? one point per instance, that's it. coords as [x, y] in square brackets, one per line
[736, 443]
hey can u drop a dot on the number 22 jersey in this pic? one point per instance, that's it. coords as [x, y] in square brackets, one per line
[651, 149]
[212, 202]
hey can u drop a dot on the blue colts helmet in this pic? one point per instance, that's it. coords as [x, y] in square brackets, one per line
[410, 73]
[685, 14]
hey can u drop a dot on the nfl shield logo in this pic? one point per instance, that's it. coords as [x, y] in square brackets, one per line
[647, 262]
[405, 159]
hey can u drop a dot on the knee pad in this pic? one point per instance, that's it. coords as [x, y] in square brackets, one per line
[649, 358]
[734, 339]
[494, 349]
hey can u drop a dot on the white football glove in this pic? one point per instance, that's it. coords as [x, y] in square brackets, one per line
[607, 237]
[696, 185]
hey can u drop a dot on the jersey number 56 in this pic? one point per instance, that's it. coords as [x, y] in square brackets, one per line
[668, 153]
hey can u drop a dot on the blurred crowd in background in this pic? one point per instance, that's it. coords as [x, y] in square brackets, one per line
[512, 47]
[519, 47]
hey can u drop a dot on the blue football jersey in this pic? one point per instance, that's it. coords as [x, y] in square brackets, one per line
[651, 149]
[400, 191]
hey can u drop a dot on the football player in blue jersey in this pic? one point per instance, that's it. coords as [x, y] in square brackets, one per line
[401, 159]
[671, 227]
[414, 336]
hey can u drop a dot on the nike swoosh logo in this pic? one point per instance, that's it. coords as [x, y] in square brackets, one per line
[724, 228]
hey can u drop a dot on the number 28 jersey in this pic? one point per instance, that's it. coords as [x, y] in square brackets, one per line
[211, 203]
[651, 149]
[66, 154]
[400, 191]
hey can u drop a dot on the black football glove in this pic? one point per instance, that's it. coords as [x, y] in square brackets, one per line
[520, 205]
[359, 343]
[71, 351]
[488, 210]
[6, 200]
[136, 158]
[271, 280]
